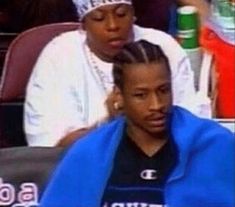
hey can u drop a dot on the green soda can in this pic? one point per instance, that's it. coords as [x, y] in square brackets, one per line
[187, 26]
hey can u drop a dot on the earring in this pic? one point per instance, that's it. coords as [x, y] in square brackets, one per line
[116, 105]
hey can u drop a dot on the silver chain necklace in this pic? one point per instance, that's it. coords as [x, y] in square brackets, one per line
[103, 78]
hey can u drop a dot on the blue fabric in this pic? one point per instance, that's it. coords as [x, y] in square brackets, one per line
[204, 176]
[172, 29]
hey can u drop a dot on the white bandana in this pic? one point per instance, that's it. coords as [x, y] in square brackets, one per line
[86, 6]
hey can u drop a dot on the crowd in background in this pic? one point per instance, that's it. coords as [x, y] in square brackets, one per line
[19, 15]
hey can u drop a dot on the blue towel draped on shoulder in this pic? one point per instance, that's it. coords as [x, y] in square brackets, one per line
[204, 176]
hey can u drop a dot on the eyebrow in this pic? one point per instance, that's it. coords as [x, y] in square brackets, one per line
[140, 88]
[144, 88]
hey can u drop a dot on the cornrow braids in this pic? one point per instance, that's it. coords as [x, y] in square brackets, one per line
[134, 53]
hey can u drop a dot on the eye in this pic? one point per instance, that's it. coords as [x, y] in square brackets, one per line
[121, 12]
[97, 16]
[98, 19]
[140, 95]
[165, 89]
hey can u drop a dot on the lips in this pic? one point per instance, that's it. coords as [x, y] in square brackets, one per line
[157, 121]
[116, 42]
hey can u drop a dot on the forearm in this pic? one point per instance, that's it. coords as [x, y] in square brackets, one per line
[70, 138]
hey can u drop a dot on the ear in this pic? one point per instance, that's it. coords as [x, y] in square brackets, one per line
[134, 19]
[134, 16]
[83, 25]
[118, 97]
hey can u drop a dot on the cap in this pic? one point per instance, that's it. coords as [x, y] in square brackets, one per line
[86, 6]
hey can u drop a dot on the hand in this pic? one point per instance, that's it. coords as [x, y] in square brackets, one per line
[73, 136]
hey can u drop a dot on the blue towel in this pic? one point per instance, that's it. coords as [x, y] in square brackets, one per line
[204, 176]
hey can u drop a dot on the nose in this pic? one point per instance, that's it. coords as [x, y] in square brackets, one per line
[155, 103]
[112, 23]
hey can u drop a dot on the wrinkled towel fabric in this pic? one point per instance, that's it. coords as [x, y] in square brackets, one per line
[203, 177]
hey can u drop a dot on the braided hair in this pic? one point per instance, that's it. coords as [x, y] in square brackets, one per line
[134, 53]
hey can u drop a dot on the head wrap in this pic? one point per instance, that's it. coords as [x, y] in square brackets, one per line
[86, 6]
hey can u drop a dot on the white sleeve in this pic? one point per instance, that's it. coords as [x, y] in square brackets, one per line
[51, 107]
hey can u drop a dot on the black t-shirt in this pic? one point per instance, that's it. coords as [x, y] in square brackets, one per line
[137, 179]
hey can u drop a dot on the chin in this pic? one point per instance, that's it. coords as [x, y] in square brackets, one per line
[157, 130]
[112, 54]
[109, 55]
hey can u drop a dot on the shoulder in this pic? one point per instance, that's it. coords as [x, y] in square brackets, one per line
[140, 31]
[65, 41]
[155, 36]
[107, 134]
[199, 131]
[169, 45]
[60, 59]
[55, 53]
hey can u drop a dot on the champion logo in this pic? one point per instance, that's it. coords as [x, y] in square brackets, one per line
[149, 174]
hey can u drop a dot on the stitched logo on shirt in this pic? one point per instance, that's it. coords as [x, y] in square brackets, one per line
[149, 174]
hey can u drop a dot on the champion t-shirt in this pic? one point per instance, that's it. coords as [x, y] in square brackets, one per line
[138, 180]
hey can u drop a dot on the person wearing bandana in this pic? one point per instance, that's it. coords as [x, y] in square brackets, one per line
[154, 154]
[72, 79]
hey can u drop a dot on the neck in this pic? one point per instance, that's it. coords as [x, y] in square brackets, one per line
[105, 58]
[148, 143]
[99, 54]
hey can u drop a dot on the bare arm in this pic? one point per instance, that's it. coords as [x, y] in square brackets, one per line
[73, 136]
